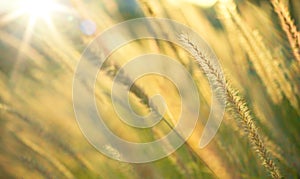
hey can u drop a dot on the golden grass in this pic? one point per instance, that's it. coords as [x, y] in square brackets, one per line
[36, 99]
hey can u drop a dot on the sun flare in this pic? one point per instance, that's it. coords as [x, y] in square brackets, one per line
[39, 8]
[37, 11]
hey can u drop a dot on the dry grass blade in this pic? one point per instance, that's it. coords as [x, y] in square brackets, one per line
[43, 153]
[238, 105]
[262, 63]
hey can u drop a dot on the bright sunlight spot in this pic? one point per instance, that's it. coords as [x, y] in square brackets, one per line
[39, 8]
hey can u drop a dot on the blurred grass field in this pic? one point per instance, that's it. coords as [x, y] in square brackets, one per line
[40, 137]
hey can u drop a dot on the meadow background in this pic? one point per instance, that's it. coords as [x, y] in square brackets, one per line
[257, 44]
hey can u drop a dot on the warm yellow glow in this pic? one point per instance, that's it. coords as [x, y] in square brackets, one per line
[39, 8]
[203, 3]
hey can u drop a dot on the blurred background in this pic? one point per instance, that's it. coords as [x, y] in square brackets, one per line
[41, 42]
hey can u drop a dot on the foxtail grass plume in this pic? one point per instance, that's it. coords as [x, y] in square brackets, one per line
[240, 109]
[289, 27]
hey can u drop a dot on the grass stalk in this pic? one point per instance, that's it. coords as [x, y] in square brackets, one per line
[260, 62]
[144, 99]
